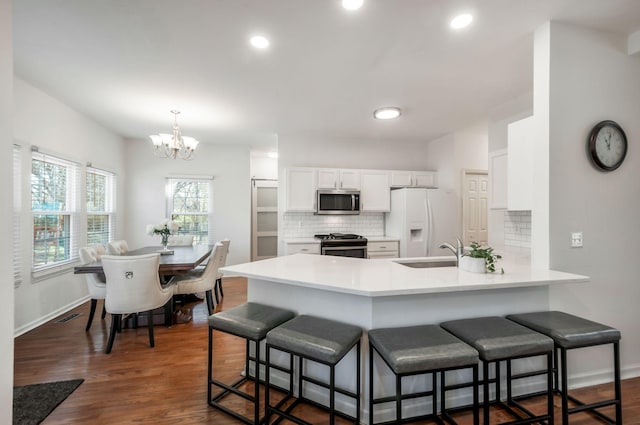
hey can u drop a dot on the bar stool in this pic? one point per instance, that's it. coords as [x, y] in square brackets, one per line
[498, 339]
[419, 350]
[316, 340]
[569, 332]
[250, 321]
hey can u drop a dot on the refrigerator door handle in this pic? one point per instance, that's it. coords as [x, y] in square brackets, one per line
[429, 221]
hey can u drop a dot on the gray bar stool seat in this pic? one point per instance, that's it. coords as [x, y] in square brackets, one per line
[250, 321]
[418, 350]
[318, 340]
[570, 332]
[498, 339]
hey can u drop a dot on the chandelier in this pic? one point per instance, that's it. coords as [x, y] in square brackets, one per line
[174, 145]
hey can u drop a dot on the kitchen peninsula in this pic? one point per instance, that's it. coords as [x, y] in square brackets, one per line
[385, 293]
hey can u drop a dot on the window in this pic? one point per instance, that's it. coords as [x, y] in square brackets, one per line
[100, 196]
[189, 204]
[17, 209]
[54, 209]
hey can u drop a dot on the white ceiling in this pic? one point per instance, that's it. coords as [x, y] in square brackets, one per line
[127, 63]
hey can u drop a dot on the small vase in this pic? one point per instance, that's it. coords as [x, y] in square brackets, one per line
[165, 242]
[471, 264]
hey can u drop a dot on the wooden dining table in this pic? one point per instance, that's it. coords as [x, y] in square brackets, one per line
[183, 259]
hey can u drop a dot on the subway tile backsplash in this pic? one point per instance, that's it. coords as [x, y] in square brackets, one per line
[305, 225]
[517, 228]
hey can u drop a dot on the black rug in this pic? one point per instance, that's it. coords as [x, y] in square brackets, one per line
[33, 403]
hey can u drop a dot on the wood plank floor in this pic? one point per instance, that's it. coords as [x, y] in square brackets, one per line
[167, 384]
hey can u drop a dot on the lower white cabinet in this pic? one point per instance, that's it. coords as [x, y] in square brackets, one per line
[386, 249]
[302, 248]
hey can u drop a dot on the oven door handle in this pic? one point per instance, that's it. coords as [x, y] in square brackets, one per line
[344, 248]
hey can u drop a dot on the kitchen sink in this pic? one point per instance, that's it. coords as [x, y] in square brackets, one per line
[421, 264]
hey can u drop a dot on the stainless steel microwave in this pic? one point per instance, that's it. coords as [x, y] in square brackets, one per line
[338, 202]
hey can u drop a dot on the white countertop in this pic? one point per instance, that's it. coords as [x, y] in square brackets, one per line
[375, 278]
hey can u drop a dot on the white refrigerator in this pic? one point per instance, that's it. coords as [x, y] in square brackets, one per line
[421, 219]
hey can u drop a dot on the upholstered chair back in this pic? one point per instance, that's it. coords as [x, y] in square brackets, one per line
[118, 247]
[207, 279]
[89, 254]
[133, 284]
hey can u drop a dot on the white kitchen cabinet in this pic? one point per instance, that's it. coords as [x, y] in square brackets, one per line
[334, 178]
[520, 164]
[375, 193]
[386, 249]
[302, 248]
[401, 178]
[498, 179]
[300, 189]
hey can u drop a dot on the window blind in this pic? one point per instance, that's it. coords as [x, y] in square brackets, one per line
[17, 216]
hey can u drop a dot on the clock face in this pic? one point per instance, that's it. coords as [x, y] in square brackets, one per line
[607, 145]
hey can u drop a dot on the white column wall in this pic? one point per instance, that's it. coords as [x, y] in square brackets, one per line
[592, 78]
[230, 167]
[6, 243]
[41, 120]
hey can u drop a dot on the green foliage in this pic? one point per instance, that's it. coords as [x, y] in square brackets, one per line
[487, 253]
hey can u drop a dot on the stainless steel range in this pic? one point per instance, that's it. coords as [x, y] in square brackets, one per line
[343, 245]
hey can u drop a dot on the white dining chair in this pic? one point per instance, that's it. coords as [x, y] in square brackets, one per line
[193, 283]
[225, 242]
[118, 247]
[133, 286]
[96, 287]
[180, 240]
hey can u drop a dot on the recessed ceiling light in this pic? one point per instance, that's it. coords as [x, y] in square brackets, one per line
[461, 21]
[259, 42]
[352, 4]
[386, 113]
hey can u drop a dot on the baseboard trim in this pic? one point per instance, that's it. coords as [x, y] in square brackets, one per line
[44, 319]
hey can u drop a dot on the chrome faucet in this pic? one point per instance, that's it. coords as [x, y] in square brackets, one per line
[458, 251]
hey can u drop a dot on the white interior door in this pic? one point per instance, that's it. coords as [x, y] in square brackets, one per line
[264, 219]
[475, 204]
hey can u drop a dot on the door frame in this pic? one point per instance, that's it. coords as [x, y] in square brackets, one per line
[254, 224]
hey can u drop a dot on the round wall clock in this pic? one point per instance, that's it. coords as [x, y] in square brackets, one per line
[607, 145]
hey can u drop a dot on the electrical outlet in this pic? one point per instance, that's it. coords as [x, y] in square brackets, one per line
[576, 240]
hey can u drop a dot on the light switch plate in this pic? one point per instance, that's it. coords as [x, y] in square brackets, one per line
[576, 240]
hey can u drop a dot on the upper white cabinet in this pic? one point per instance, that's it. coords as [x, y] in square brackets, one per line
[414, 179]
[334, 178]
[375, 194]
[300, 189]
[498, 179]
[520, 164]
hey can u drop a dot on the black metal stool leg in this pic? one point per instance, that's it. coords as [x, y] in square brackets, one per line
[617, 385]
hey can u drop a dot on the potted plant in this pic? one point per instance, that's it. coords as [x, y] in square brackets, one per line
[479, 260]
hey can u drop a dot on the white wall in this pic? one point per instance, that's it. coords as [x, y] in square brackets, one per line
[43, 121]
[229, 166]
[591, 79]
[263, 166]
[6, 210]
